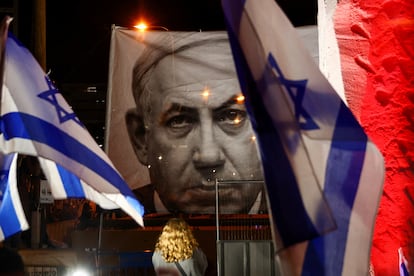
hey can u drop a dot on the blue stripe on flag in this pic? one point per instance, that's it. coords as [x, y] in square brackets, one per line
[341, 186]
[233, 11]
[9, 221]
[71, 183]
[404, 270]
[20, 125]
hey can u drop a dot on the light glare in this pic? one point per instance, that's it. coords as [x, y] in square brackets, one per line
[206, 93]
[141, 26]
[240, 99]
[80, 272]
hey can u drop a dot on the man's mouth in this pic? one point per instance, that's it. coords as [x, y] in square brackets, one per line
[210, 189]
[203, 188]
[207, 185]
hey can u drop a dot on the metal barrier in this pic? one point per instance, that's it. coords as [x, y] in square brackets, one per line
[244, 241]
[48, 262]
[245, 258]
[45, 270]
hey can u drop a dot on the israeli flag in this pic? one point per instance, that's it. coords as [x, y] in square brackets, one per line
[323, 175]
[36, 120]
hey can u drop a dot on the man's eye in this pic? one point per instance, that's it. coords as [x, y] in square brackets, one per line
[231, 116]
[180, 121]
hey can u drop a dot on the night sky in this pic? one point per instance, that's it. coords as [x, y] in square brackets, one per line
[78, 32]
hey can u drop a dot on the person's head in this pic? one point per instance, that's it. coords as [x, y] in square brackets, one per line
[11, 263]
[190, 126]
[176, 241]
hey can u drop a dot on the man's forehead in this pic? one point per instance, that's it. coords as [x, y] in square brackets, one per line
[213, 94]
[193, 66]
[195, 77]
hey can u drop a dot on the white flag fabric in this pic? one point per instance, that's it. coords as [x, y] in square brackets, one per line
[36, 120]
[323, 175]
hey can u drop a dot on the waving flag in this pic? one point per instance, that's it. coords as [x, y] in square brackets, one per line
[403, 263]
[12, 218]
[323, 175]
[37, 121]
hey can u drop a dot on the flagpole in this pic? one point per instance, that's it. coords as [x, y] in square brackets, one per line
[217, 228]
[3, 36]
[40, 33]
[98, 251]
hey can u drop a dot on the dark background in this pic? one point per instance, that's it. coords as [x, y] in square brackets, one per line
[78, 37]
[78, 32]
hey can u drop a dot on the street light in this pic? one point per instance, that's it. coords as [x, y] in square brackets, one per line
[142, 27]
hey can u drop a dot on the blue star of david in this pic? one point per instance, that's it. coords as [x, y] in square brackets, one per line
[50, 96]
[307, 123]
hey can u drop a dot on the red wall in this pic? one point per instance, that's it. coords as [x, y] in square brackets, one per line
[376, 39]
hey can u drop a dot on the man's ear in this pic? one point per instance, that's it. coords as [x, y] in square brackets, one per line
[137, 134]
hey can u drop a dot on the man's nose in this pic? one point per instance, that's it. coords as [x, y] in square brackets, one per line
[208, 152]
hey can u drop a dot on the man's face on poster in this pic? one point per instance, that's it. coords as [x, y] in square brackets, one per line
[198, 131]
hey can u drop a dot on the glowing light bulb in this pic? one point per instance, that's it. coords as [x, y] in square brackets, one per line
[141, 26]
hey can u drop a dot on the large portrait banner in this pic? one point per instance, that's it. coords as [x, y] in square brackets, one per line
[177, 128]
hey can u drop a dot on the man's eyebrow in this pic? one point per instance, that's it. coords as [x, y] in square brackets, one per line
[174, 108]
[231, 101]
